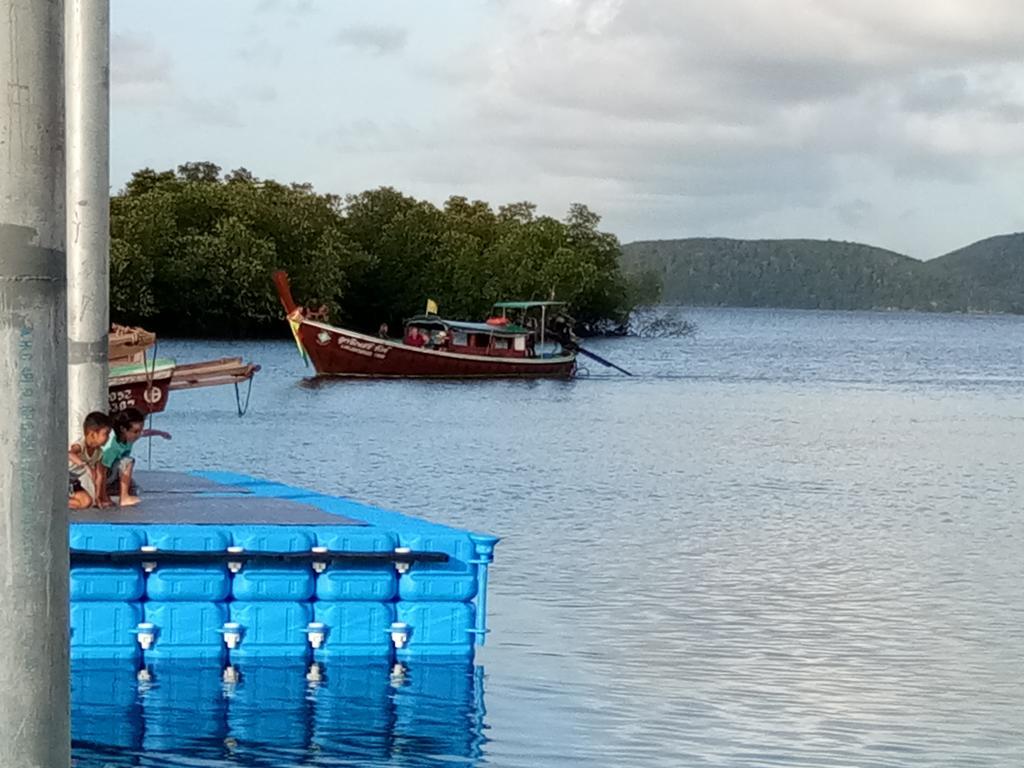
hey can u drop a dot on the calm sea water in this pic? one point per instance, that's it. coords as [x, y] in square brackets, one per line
[793, 539]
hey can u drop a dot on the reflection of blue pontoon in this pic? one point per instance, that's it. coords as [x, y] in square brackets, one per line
[358, 713]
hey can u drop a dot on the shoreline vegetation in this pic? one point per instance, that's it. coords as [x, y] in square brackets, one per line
[984, 277]
[192, 251]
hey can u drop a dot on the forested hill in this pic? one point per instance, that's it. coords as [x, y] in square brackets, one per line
[827, 274]
[990, 272]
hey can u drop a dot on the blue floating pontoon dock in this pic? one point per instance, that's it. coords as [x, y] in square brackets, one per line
[223, 569]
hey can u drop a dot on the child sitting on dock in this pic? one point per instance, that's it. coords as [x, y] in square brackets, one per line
[117, 464]
[84, 459]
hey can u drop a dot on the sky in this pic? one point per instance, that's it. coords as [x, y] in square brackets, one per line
[898, 123]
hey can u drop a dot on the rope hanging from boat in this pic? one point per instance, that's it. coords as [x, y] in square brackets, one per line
[150, 373]
[243, 407]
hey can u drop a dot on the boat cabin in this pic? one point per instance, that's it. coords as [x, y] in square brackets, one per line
[492, 340]
[511, 331]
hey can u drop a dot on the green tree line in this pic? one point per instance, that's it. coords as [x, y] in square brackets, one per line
[192, 251]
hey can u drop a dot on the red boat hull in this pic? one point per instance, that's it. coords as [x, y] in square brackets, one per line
[338, 352]
[148, 397]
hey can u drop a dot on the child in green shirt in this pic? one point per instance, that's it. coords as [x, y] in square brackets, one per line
[117, 464]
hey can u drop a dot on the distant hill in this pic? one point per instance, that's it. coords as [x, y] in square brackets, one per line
[990, 272]
[828, 274]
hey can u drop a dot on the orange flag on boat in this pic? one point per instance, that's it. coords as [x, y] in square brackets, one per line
[295, 321]
[431, 307]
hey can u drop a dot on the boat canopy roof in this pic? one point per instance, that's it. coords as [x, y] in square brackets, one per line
[527, 304]
[432, 321]
[508, 329]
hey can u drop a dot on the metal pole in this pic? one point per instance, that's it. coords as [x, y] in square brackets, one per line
[34, 719]
[87, 49]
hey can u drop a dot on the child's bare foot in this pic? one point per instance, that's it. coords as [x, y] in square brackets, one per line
[129, 501]
[105, 503]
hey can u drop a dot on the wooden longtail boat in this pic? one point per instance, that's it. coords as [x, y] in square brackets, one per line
[432, 346]
[138, 382]
[140, 385]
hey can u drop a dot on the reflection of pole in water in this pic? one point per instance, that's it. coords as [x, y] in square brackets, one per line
[355, 713]
[34, 729]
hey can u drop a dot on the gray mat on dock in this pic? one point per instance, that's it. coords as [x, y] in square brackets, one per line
[169, 509]
[160, 481]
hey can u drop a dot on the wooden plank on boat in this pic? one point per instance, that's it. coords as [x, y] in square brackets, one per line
[212, 373]
[221, 364]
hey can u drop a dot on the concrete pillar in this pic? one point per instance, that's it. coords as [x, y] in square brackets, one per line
[87, 50]
[34, 697]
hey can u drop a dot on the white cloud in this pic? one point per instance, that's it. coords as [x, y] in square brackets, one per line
[764, 101]
[376, 39]
[139, 71]
[142, 76]
[895, 122]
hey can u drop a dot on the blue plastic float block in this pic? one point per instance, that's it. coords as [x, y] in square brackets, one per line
[355, 539]
[123, 583]
[357, 629]
[205, 538]
[192, 582]
[269, 706]
[451, 581]
[103, 630]
[273, 538]
[270, 583]
[186, 631]
[104, 537]
[376, 583]
[436, 630]
[105, 706]
[274, 582]
[189, 583]
[354, 713]
[184, 712]
[271, 630]
[116, 582]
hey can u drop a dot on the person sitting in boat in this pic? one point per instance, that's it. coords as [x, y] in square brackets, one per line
[414, 337]
[84, 457]
[117, 464]
[318, 315]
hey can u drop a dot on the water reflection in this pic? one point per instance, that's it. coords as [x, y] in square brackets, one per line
[363, 714]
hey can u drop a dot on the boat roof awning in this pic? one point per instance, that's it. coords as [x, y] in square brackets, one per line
[504, 329]
[527, 304]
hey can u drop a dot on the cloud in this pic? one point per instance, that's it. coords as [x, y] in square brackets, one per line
[259, 50]
[378, 40]
[140, 71]
[768, 103]
[214, 113]
[286, 6]
[142, 77]
[854, 213]
[261, 92]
